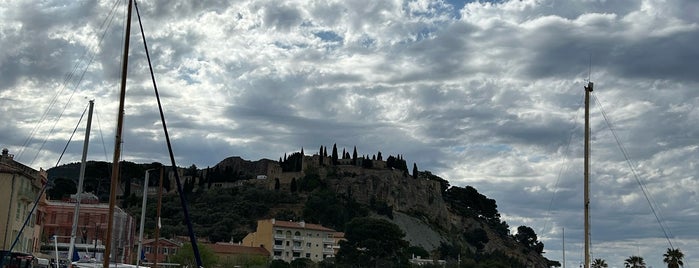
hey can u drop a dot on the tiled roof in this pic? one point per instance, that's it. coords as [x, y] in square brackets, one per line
[302, 225]
[226, 248]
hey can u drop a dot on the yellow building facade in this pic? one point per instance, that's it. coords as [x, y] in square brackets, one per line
[19, 187]
[288, 240]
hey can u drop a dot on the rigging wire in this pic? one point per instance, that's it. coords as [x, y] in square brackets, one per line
[38, 197]
[623, 150]
[564, 167]
[192, 236]
[68, 78]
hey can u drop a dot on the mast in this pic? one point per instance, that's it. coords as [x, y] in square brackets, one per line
[143, 218]
[76, 213]
[588, 89]
[564, 247]
[117, 140]
[157, 225]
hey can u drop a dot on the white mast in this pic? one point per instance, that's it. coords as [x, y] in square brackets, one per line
[76, 213]
[143, 218]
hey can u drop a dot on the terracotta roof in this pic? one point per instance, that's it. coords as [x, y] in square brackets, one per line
[161, 240]
[227, 248]
[302, 225]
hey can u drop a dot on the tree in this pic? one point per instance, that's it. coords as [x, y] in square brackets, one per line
[599, 263]
[634, 262]
[185, 256]
[334, 154]
[527, 237]
[320, 155]
[301, 263]
[354, 156]
[292, 187]
[673, 258]
[414, 170]
[279, 264]
[371, 241]
[62, 187]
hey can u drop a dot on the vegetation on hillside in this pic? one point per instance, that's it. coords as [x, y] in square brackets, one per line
[229, 214]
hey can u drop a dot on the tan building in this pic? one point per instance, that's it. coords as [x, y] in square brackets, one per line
[288, 240]
[20, 186]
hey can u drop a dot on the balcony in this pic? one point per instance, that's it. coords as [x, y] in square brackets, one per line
[278, 247]
[328, 240]
[298, 238]
[297, 248]
[328, 250]
[279, 236]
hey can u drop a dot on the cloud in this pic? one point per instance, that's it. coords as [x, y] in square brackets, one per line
[482, 93]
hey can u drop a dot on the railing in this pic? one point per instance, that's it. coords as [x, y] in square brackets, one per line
[279, 236]
[328, 240]
[298, 238]
[328, 250]
[297, 248]
[278, 247]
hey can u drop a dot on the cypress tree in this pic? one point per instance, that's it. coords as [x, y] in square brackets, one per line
[334, 155]
[320, 155]
[414, 170]
[354, 156]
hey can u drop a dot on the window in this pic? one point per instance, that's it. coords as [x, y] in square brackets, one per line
[287, 243]
[297, 233]
[277, 253]
[308, 244]
[147, 249]
[296, 254]
[288, 234]
[308, 255]
[278, 242]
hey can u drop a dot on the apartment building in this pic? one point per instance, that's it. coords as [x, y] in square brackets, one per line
[288, 240]
[20, 186]
[92, 226]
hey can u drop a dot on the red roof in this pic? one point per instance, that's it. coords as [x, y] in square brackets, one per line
[227, 248]
[302, 225]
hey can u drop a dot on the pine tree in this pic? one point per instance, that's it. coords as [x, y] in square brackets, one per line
[379, 157]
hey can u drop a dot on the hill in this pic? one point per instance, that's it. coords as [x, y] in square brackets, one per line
[448, 222]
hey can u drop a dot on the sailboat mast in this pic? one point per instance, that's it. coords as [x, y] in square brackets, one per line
[588, 89]
[117, 140]
[76, 213]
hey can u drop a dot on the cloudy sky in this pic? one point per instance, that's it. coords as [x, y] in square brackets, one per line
[487, 94]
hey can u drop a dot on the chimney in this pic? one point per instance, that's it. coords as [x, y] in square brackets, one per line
[303, 224]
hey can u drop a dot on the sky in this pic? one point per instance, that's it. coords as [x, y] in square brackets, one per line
[487, 94]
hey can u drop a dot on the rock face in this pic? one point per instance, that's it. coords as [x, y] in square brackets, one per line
[417, 203]
[420, 210]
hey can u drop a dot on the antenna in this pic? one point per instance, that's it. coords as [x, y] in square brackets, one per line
[589, 70]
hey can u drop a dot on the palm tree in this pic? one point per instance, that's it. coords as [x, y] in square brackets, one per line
[673, 258]
[634, 262]
[599, 263]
